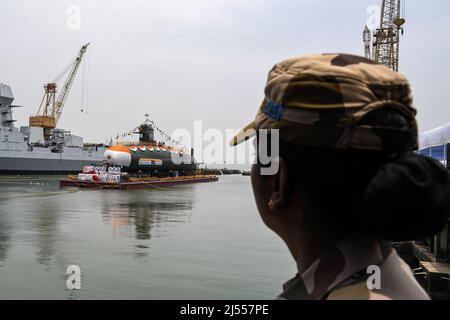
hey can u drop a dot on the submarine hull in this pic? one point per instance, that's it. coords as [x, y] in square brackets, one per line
[149, 159]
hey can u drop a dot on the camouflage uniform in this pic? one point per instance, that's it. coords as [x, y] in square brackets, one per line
[320, 101]
[341, 273]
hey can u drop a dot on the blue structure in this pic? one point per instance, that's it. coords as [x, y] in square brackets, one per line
[436, 144]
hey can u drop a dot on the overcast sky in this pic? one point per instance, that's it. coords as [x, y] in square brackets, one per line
[182, 61]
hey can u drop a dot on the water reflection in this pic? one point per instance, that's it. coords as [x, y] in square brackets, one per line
[136, 244]
[146, 214]
[5, 230]
[5, 224]
[147, 211]
[28, 204]
[45, 221]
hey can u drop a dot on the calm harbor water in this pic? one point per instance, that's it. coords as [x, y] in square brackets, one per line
[202, 241]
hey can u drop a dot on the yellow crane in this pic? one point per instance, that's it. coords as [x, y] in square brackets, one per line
[386, 42]
[51, 107]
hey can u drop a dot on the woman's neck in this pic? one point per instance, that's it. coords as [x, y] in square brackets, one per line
[307, 244]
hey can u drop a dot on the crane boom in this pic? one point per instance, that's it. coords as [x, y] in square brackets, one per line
[68, 84]
[387, 36]
[51, 108]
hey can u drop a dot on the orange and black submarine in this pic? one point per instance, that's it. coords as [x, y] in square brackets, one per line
[150, 156]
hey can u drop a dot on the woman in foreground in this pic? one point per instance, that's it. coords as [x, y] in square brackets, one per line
[342, 137]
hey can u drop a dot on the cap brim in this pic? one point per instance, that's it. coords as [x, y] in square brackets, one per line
[244, 134]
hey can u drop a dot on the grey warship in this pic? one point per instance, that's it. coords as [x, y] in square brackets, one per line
[26, 150]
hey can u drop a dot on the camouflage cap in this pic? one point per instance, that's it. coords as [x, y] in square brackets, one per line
[320, 101]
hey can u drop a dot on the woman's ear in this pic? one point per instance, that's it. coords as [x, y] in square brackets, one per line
[279, 185]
